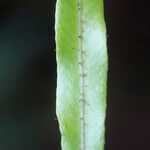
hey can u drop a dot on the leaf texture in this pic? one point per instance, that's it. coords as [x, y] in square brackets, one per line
[81, 55]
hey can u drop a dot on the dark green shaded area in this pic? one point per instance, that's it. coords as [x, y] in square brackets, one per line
[27, 76]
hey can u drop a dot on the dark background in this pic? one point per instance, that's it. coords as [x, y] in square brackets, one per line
[28, 75]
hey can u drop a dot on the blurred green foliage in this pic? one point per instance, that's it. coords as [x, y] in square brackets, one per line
[27, 77]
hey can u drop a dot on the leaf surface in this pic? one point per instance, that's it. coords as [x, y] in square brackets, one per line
[81, 73]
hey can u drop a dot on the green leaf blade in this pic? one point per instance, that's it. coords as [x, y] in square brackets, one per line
[81, 73]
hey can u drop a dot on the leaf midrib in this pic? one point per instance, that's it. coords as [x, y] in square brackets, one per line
[82, 76]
